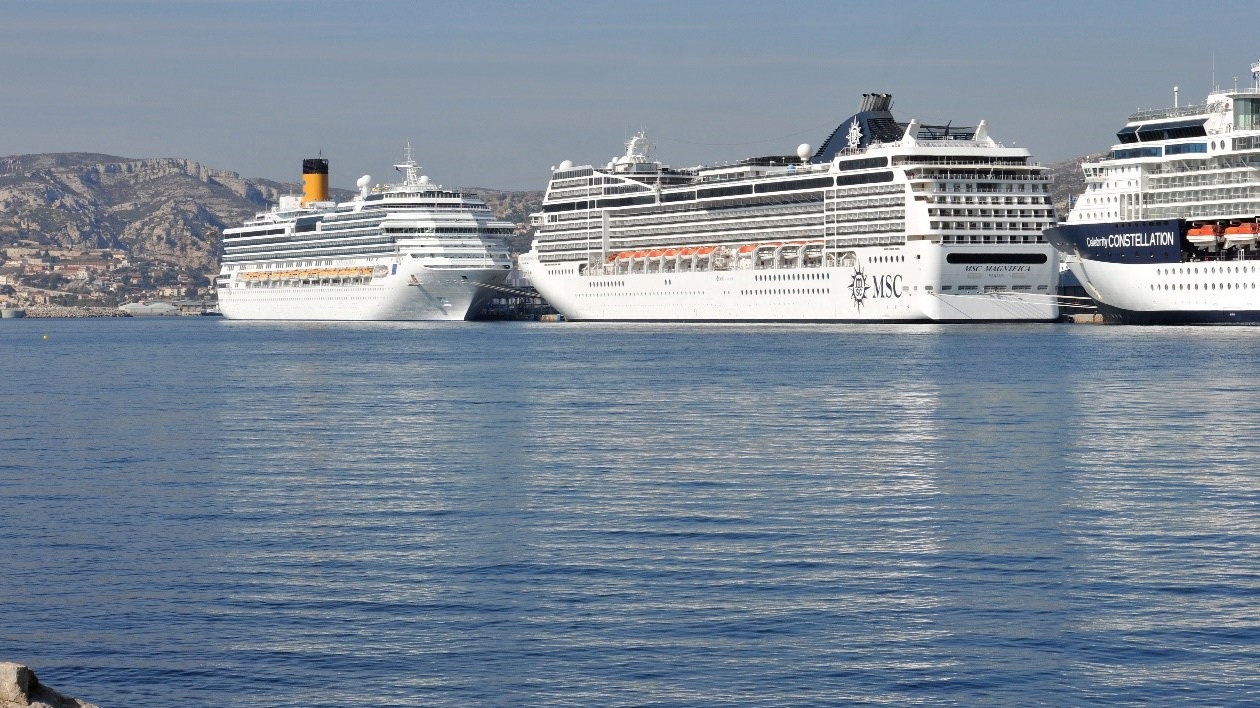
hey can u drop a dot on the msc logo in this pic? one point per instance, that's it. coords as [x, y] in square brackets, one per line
[865, 287]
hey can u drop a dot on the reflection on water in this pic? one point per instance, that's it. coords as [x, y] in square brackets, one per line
[1165, 509]
[593, 514]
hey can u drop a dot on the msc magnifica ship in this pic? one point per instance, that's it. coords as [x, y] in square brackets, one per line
[887, 221]
[1166, 229]
[411, 251]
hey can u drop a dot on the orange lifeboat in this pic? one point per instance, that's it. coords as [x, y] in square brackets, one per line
[706, 250]
[639, 254]
[1247, 228]
[656, 253]
[671, 252]
[1205, 236]
[749, 248]
[687, 252]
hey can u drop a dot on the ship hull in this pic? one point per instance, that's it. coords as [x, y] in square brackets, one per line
[406, 293]
[1115, 315]
[893, 286]
[1139, 273]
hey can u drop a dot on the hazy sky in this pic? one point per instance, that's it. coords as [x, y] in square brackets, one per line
[494, 93]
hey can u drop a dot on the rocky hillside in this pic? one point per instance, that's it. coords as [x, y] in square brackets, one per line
[1069, 181]
[172, 210]
[167, 210]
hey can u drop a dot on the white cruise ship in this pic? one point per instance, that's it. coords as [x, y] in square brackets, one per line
[886, 221]
[1165, 232]
[411, 251]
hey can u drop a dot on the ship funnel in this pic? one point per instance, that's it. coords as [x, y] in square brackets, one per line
[314, 180]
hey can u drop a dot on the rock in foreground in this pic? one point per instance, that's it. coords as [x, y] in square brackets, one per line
[19, 687]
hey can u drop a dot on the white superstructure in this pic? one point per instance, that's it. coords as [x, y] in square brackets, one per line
[1166, 229]
[410, 251]
[886, 221]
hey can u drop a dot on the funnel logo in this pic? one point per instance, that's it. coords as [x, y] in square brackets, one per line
[859, 286]
[855, 135]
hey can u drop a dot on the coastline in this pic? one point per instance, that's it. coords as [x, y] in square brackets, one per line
[64, 311]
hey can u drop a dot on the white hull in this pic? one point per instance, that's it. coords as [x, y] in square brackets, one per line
[903, 284]
[1201, 291]
[411, 292]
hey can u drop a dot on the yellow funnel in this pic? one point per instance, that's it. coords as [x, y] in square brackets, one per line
[314, 180]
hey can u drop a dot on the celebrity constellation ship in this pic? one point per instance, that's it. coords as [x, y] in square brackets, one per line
[887, 221]
[1166, 229]
[411, 251]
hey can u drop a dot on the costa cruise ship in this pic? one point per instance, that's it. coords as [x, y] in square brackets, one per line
[887, 221]
[1165, 232]
[410, 251]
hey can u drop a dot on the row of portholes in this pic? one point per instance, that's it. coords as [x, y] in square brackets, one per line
[888, 259]
[793, 276]
[1206, 270]
[789, 291]
[1186, 286]
[672, 292]
[607, 284]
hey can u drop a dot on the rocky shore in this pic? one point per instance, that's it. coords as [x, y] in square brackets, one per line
[20, 689]
[63, 311]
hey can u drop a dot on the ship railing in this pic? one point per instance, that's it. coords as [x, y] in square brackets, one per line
[956, 143]
[1157, 113]
[972, 176]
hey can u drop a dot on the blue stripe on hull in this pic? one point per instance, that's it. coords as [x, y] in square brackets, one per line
[1159, 241]
[1116, 315]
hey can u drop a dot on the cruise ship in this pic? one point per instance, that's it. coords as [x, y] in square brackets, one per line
[886, 222]
[1165, 231]
[409, 251]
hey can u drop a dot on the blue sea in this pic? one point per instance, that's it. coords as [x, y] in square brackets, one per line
[212, 513]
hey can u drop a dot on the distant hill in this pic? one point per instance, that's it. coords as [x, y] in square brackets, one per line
[172, 210]
[516, 208]
[1069, 181]
[169, 210]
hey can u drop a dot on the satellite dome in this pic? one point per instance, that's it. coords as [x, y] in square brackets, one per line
[566, 165]
[424, 179]
[804, 150]
[363, 182]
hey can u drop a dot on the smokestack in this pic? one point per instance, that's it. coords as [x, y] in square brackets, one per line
[314, 180]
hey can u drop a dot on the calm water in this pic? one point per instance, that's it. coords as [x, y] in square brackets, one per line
[201, 512]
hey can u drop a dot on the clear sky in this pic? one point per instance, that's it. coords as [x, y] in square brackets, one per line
[493, 94]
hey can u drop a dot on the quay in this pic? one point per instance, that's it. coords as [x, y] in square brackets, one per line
[64, 311]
